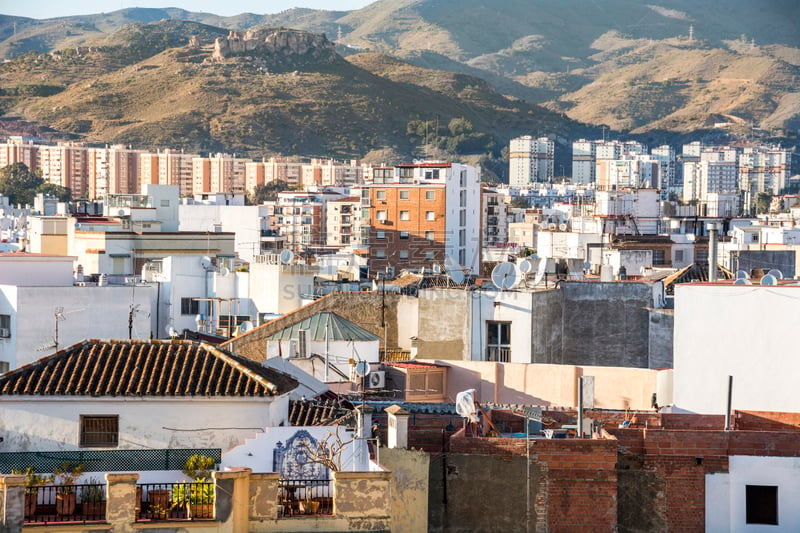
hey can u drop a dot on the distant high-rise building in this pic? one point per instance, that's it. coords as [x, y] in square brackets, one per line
[586, 154]
[530, 161]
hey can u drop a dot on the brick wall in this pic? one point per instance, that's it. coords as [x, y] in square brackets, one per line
[579, 489]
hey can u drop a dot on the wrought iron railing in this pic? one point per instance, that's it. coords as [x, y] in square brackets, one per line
[175, 501]
[48, 504]
[303, 497]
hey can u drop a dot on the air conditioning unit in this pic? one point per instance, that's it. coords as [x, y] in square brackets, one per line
[5, 333]
[304, 343]
[376, 380]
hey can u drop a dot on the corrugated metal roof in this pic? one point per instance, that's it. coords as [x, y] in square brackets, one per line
[339, 329]
[144, 368]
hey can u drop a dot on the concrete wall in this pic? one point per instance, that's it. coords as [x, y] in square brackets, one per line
[444, 324]
[662, 327]
[606, 324]
[409, 494]
[547, 326]
[744, 331]
[783, 260]
[550, 385]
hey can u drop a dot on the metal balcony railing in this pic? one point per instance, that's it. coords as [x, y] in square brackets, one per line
[48, 504]
[304, 497]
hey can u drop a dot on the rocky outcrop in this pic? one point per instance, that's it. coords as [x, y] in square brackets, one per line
[280, 47]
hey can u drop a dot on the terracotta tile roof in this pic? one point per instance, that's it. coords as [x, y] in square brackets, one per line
[144, 368]
[318, 412]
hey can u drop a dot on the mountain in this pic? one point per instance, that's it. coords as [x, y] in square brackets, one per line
[259, 92]
[663, 71]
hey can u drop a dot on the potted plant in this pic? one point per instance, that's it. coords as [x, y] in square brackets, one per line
[93, 499]
[196, 496]
[32, 483]
[65, 476]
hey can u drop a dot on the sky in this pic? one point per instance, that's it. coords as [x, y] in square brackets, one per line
[41, 9]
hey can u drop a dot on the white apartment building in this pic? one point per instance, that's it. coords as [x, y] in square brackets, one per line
[42, 309]
[530, 161]
[633, 171]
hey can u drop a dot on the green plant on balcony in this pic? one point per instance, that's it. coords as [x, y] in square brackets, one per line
[32, 483]
[93, 498]
[197, 497]
[65, 476]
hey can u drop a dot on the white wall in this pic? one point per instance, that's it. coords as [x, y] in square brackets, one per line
[502, 306]
[49, 424]
[36, 270]
[725, 494]
[88, 313]
[244, 221]
[746, 331]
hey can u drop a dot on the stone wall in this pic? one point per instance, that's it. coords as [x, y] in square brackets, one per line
[409, 488]
[362, 308]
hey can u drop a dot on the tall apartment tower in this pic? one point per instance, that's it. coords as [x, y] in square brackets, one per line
[419, 214]
[583, 159]
[530, 160]
[665, 155]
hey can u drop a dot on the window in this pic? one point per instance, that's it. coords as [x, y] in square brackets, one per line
[380, 194]
[164, 203]
[99, 430]
[4, 366]
[462, 237]
[761, 502]
[498, 341]
[430, 235]
[190, 306]
[463, 178]
[5, 326]
[678, 255]
[658, 257]
[380, 234]
[404, 235]
[404, 195]
[430, 215]
[429, 255]
[404, 215]
[430, 195]
[462, 217]
[380, 254]
[426, 384]
[381, 215]
[462, 201]
[403, 255]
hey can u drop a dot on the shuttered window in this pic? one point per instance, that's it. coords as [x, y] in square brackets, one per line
[99, 430]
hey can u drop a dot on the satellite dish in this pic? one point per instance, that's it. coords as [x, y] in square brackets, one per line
[286, 256]
[741, 274]
[742, 281]
[587, 265]
[223, 271]
[769, 279]
[246, 326]
[504, 276]
[362, 368]
[525, 266]
[205, 261]
[437, 268]
[457, 276]
[775, 272]
[121, 213]
[552, 226]
[562, 227]
[540, 271]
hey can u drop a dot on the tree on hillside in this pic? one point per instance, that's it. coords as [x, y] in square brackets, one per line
[267, 192]
[19, 184]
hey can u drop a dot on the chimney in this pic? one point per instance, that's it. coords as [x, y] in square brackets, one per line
[397, 432]
[712, 252]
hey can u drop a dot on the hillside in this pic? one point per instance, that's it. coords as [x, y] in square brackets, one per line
[627, 64]
[283, 92]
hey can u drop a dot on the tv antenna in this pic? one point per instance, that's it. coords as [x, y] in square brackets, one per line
[59, 315]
